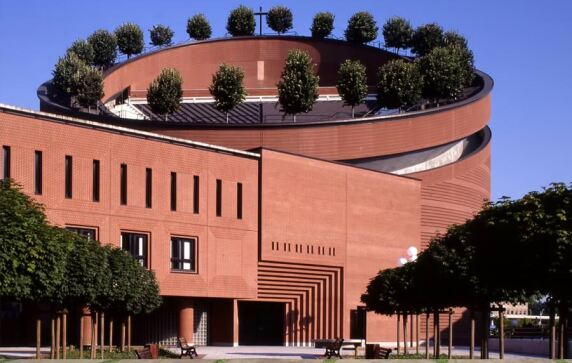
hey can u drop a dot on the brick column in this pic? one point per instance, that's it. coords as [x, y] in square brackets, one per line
[186, 311]
[235, 322]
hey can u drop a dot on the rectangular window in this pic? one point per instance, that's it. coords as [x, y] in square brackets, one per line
[6, 161]
[123, 182]
[38, 172]
[95, 181]
[148, 187]
[137, 245]
[239, 201]
[173, 191]
[89, 233]
[196, 194]
[218, 197]
[183, 254]
[69, 176]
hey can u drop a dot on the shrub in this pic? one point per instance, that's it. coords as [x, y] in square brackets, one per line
[89, 86]
[104, 47]
[444, 74]
[298, 86]
[227, 88]
[129, 39]
[397, 33]
[352, 83]
[426, 38]
[161, 35]
[198, 27]
[165, 93]
[322, 25]
[361, 28]
[279, 19]
[399, 85]
[83, 50]
[241, 21]
[65, 74]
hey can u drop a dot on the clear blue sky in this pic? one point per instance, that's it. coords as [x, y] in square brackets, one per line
[525, 45]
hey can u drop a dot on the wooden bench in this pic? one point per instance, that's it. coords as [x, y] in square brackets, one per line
[186, 348]
[144, 353]
[381, 352]
[333, 349]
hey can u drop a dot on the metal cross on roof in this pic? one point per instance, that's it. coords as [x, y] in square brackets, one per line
[260, 13]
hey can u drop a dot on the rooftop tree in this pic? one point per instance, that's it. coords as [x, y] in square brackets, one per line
[399, 84]
[83, 50]
[129, 39]
[89, 87]
[67, 73]
[426, 38]
[454, 39]
[397, 33]
[322, 25]
[198, 27]
[227, 88]
[352, 83]
[165, 93]
[279, 19]
[161, 35]
[241, 22]
[104, 46]
[444, 74]
[361, 28]
[298, 86]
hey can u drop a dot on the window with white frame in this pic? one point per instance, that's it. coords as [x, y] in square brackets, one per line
[183, 254]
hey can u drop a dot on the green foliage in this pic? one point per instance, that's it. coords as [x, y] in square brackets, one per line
[454, 39]
[104, 46]
[129, 39]
[161, 35]
[198, 27]
[444, 73]
[361, 28]
[83, 50]
[74, 78]
[397, 33]
[298, 86]
[322, 25]
[165, 93]
[227, 88]
[89, 86]
[279, 19]
[426, 38]
[399, 84]
[241, 22]
[352, 83]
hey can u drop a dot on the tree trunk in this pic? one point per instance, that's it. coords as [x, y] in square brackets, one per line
[110, 335]
[552, 334]
[561, 341]
[427, 335]
[94, 320]
[226, 117]
[353, 113]
[417, 333]
[501, 332]
[81, 334]
[53, 339]
[64, 334]
[123, 334]
[564, 316]
[102, 330]
[450, 333]
[398, 335]
[411, 330]
[472, 342]
[38, 337]
[129, 332]
[405, 350]
[58, 334]
[437, 336]
[485, 334]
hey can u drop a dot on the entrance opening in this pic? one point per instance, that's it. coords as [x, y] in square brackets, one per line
[260, 323]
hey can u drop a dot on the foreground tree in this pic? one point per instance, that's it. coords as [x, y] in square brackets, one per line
[397, 33]
[104, 46]
[322, 25]
[83, 50]
[352, 83]
[198, 27]
[298, 86]
[444, 74]
[399, 84]
[129, 39]
[227, 88]
[165, 93]
[361, 28]
[279, 19]
[161, 35]
[426, 38]
[241, 22]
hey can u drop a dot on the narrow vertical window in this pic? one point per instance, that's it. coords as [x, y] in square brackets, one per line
[6, 162]
[218, 197]
[173, 191]
[123, 182]
[38, 172]
[239, 201]
[95, 181]
[69, 176]
[148, 187]
[196, 194]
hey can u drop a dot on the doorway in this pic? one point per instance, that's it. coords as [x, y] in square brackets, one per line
[261, 323]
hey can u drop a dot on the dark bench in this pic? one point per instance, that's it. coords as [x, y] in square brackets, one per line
[144, 353]
[186, 348]
[333, 349]
[381, 352]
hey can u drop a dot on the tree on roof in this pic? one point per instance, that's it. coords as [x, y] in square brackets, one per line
[198, 27]
[399, 84]
[241, 22]
[322, 25]
[165, 92]
[161, 35]
[104, 48]
[352, 83]
[397, 33]
[279, 19]
[444, 73]
[129, 39]
[361, 28]
[227, 88]
[83, 50]
[298, 85]
[426, 38]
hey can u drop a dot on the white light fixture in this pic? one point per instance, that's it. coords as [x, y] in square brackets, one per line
[412, 253]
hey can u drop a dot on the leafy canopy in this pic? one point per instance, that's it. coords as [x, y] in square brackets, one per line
[362, 28]
[161, 35]
[399, 84]
[444, 73]
[129, 39]
[279, 19]
[426, 38]
[352, 82]
[198, 27]
[298, 86]
[83, 50]
[165, 92]
[241, 22]
[227, 88]
[104, 46]
[397, 33]
[322, 25]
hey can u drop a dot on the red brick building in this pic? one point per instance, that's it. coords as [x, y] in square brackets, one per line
[260, 231]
